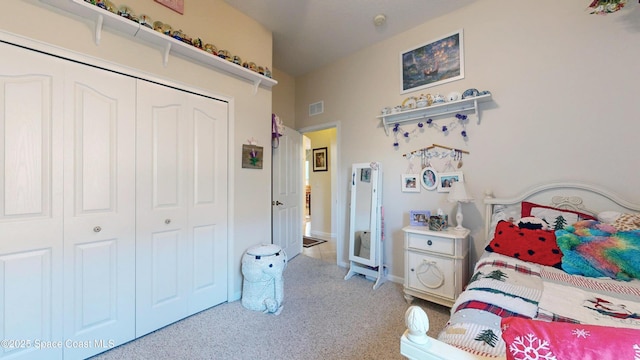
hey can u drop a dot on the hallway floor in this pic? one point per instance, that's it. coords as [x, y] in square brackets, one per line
[325, 251]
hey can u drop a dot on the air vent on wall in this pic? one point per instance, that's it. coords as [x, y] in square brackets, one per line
[316, 108]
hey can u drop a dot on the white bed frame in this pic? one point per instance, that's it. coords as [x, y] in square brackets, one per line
[415, 344]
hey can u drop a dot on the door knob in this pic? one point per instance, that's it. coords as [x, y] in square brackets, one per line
[167, 221]
[97, 229]
[276, 203]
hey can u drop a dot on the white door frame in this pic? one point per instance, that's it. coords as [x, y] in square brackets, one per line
[337, 216]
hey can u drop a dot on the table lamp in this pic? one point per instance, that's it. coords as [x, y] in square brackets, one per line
[459, 194]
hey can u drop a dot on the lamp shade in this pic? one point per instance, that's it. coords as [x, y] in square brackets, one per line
[458, 193]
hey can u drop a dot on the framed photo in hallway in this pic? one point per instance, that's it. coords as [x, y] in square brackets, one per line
[320, 159]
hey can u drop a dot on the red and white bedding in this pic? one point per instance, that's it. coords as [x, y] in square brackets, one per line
[503, 287]
[586, 300]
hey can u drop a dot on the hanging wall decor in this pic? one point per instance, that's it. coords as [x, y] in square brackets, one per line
[435, 63]
[175, 5]
[603, 7]
[429, 178]
[410, 183]
[320, 159]
[420, 127]
[252, 156]
[446, 179]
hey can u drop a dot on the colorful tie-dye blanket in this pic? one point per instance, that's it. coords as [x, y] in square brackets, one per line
[595, 249]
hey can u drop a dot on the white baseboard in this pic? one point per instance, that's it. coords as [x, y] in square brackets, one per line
[322, 235]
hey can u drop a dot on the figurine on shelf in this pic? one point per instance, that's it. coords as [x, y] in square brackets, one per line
[237, 60]
[260, 70]
[144, 20]
[177, 34]
[438, 99]
[166, 29]
[224, 54]
[110, 6]
[267, 72]
[186, 39]
[211, 49]
[422, 101]
[197, 43]
[125, 12]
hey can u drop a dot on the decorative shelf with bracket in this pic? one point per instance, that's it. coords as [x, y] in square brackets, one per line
[436, 110]
[104, 18]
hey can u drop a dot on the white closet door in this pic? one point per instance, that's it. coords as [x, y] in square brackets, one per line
[30, 203]
[99, 219]
[207, 205]
[181, 205]
[161, 225]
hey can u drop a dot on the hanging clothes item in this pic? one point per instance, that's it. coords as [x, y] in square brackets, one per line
[277, 130]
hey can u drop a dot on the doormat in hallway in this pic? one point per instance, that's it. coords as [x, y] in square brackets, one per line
[311, 241]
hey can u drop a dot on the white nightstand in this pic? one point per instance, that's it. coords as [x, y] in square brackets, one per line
[436, 264]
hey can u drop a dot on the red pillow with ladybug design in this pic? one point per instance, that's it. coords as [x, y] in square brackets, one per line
[532, 245]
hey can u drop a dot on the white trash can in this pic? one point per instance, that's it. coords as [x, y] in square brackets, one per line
[262, 287]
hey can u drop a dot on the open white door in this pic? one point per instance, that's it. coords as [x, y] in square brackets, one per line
[286, 193]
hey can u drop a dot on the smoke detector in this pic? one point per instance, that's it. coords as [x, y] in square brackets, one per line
[379, 19]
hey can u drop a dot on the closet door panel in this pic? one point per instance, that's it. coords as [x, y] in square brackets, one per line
[161, 229]
[208, 202]
[165, 267]
[167, 183]
[30, 202]
[99, 219]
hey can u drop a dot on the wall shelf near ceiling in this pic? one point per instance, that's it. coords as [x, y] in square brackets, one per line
[168, 45]
[434, 111]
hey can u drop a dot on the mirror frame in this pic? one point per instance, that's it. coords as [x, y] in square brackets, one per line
[374, 213]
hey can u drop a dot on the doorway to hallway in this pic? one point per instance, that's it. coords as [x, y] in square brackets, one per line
[320, 194]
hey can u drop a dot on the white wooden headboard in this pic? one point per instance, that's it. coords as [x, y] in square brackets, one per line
[583, 197]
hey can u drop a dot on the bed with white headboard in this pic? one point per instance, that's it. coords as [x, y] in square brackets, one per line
[560, 275]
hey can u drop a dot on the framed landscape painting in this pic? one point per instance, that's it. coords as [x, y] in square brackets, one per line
[434, 63]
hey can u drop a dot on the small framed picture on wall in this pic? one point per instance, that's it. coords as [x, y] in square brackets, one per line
[429, 178]
[320, 159]
[446, 179]
[410, 183]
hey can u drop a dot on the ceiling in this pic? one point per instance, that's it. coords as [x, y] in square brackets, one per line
[308, 34]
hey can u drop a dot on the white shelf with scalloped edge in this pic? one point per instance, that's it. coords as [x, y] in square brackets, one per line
[168, 45]
[436, 110]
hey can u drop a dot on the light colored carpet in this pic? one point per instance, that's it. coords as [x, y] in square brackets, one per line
[324, 317]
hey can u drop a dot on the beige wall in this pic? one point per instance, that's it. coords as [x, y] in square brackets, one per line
[213, 21]
[284, 97]
[565, 106]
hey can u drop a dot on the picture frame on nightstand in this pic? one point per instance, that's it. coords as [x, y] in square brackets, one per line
[419, 217]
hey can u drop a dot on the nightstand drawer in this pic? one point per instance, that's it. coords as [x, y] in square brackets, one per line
[431, 243]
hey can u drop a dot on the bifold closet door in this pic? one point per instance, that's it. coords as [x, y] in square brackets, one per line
[181, 189]
[30, 203]
[99, 215]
